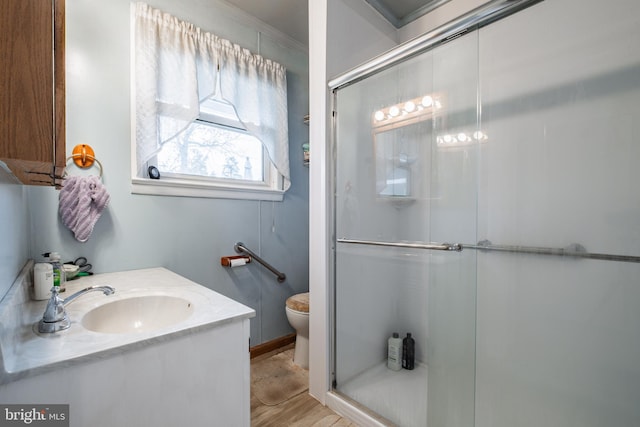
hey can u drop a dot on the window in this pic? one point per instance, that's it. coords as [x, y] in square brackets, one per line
[215, 145]
[211, 116]
[212, 151]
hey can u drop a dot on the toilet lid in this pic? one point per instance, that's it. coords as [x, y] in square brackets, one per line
[299, 302]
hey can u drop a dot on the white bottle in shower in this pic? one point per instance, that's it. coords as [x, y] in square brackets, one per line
[394, 352]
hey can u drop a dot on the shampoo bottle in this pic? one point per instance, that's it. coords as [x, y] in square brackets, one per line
[394, 352]
[408, 352]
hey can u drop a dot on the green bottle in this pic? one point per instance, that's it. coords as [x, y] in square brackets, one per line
[59, 276]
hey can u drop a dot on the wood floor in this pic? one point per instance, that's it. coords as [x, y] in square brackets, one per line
[301, 410]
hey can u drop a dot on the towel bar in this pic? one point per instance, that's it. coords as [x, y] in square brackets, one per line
[241, 248]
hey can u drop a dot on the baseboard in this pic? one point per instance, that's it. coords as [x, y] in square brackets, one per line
[272, 345]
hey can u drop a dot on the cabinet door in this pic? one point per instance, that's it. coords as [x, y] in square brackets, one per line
[32, 88]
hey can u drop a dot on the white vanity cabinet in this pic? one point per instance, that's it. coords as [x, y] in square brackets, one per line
[195, 376]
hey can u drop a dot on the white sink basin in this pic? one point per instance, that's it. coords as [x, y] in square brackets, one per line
[137, 314]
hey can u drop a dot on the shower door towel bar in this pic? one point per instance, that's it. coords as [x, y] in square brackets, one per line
[575, 250]
[431, 246]
[241, 248]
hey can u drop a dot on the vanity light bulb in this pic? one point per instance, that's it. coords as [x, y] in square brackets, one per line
[462, 137]
[427, 101]
[379, 115]
[447, 138]
[478, 135]
[394, 111]
[409, 106]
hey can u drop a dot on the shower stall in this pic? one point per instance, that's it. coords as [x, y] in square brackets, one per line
[487, 201]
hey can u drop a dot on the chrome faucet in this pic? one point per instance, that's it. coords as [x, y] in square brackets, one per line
[55, 317]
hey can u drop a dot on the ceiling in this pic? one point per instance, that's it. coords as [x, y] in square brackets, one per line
[400, 12]
[290, 16]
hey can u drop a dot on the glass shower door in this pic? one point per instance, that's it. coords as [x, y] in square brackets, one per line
[407, 142]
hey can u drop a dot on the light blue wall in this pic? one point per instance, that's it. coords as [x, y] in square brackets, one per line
[14, 231]
[186, 235]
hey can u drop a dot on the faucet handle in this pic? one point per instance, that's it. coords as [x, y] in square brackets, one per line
[55, 308]
[55, 317]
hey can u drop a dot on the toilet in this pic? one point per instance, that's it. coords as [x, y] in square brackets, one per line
[297, 308]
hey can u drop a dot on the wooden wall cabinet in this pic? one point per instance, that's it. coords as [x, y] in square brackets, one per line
[32, 90]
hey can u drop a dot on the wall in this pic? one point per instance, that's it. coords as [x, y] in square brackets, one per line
[14, 229]
[186, 235]
[355, 34]
[319, 273]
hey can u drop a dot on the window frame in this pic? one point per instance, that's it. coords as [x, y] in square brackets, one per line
[182, 185]
[204, 188]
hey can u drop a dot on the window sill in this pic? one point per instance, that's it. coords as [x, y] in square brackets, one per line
[186, 188]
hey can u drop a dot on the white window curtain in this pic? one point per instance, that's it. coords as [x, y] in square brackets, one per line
[176, 68]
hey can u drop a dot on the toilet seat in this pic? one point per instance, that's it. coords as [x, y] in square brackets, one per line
[299, 302]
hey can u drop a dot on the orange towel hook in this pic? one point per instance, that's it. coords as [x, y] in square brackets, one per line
[83, 155]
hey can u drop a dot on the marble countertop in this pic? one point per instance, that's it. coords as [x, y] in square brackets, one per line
[24, 352]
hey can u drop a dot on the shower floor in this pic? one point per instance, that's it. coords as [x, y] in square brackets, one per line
[400, 397]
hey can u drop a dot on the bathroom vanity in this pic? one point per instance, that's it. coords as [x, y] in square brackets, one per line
[160, 351]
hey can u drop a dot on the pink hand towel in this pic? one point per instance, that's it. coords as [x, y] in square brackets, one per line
[81, 202]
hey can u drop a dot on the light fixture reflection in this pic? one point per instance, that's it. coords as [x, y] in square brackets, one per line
[461, 139]
[409, 106]
[478, 135]
[416, 109]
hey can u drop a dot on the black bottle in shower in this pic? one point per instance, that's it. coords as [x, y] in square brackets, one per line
[408, 352]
